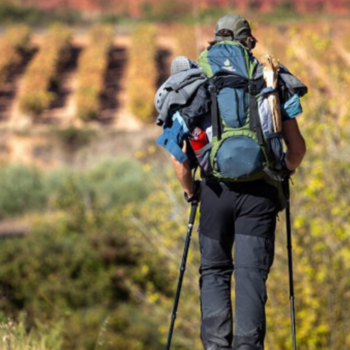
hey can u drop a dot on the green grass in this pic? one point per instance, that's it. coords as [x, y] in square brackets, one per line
[14, 336]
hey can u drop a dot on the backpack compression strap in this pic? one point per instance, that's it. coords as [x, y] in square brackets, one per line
[215, 116]
[254, 88]
[216, 83]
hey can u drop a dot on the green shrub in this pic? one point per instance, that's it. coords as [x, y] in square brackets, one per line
[118, 182]
[109, 183]
[81, 274]
[83, 263]
[22, 189]
[72, 138]
[16, 12]
[10, 13]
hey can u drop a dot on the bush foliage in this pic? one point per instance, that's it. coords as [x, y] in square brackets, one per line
[110, 182]
[82, 262]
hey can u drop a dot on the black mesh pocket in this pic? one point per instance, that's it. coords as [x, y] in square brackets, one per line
[203, 157]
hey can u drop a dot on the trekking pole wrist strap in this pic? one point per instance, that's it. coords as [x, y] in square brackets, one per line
[187, 198]
[196, 191]
[285, 168]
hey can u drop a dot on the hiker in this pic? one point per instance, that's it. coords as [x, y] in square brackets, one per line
[238, 204]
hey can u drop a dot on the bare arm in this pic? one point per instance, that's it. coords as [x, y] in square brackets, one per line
[183, 173]
[296, 147]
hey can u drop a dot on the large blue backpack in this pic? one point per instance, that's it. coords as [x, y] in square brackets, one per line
[243, 146]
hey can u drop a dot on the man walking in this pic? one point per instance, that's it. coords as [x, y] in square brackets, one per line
[236, 231]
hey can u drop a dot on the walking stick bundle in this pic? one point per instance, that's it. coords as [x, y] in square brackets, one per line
[270, 73]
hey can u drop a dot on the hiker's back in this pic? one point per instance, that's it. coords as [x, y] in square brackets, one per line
[240, 150]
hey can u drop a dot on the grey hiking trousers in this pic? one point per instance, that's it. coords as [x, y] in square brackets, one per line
[240, 216]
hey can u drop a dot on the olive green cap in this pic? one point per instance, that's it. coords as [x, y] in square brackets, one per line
[239, 25]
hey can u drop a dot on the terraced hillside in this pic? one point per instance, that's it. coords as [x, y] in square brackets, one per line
[106, 82]
[62, 109]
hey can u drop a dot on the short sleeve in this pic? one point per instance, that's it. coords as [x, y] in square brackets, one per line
[291, 108]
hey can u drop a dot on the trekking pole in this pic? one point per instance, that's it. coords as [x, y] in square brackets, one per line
[290, 262]
[194, 205]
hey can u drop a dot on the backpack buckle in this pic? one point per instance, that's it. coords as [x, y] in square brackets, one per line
[255, 86]
[252, 88]
[212, 89]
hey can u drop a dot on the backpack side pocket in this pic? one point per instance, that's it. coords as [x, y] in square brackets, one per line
[275, 149]
[203, 157]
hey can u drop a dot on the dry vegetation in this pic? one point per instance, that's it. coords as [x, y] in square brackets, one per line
[142, 72]
[43, 71]
[92, 66]
[13, 44]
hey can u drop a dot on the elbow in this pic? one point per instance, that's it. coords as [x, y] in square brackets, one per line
[296, 153]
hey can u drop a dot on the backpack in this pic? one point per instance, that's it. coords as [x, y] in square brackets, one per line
[243, 146]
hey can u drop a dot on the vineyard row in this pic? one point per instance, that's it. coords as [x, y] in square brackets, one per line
[40, 85]
[314, 56]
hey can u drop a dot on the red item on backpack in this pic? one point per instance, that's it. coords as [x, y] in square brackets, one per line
[198, 139]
